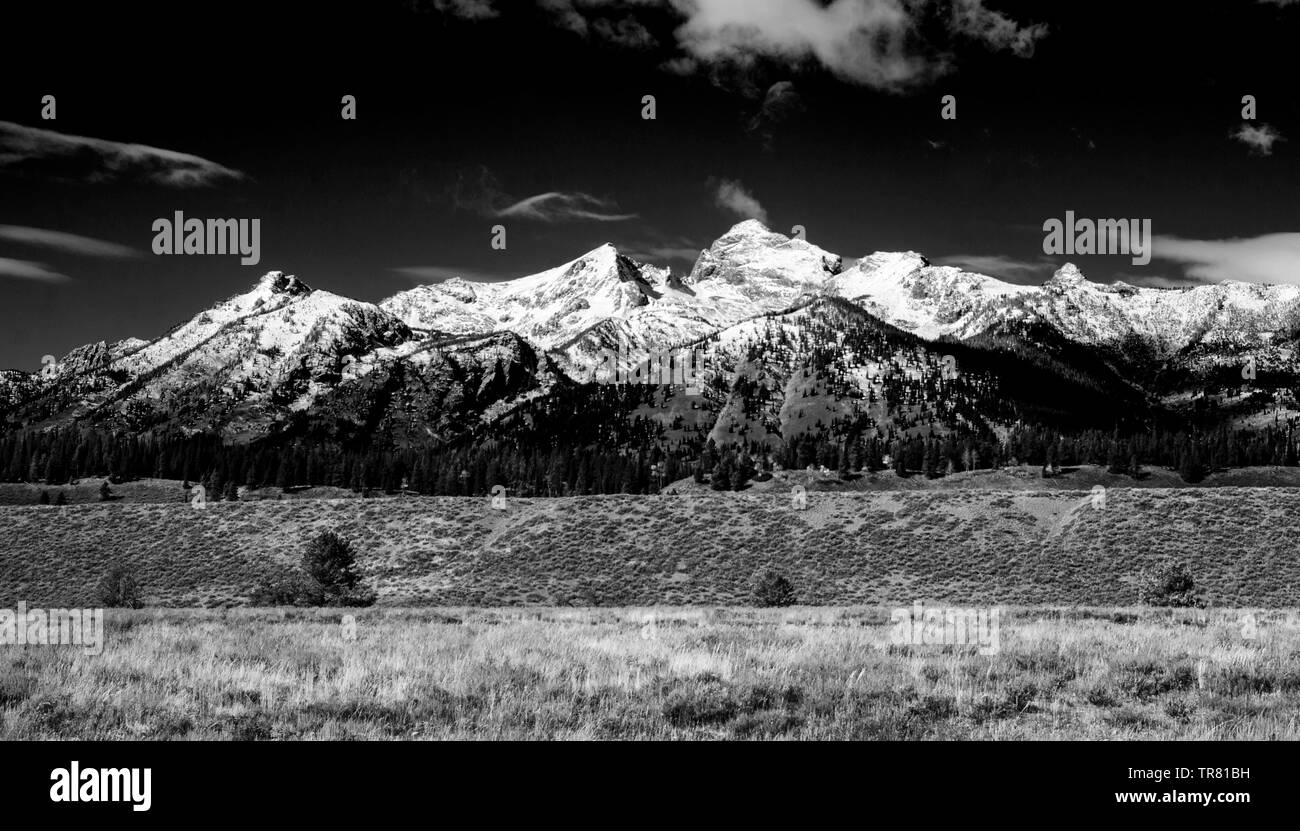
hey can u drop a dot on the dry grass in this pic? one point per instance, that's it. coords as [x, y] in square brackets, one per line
[882, 548]
[800, 673]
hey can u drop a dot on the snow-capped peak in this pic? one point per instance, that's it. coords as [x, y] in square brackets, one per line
[1066, 276]
[277, 282]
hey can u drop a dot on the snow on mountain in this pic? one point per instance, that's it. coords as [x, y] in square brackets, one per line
[239, 366]
[450, 307]
[932, 302]
[284, 348]
[747, 271]
[546, 308]
[929, 301]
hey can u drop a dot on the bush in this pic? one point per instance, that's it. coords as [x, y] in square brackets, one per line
[118, 589]
[703, 700]
[328, 577]
[772, 589]
[331, 561]
[1170, 584]
[1191, 470]
[288, 589]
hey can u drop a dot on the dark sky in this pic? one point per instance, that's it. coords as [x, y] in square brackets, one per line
[467, 108]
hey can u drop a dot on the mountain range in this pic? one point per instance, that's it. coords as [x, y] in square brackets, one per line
[794, 339]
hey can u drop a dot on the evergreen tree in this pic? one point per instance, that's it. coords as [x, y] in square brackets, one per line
[1191, 469]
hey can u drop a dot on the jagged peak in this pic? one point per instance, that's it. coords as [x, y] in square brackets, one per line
[277, 282]
[1067, 275]
[881, 258]
[750, 231]
[748, 227]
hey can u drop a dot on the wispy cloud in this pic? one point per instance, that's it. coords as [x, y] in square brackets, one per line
[1158, 281]
[557, 206]
[656, 254]
[585, 18]
[1260, 139]
[732, 196]
[439, 273]
[887, 44]
[996, 265]
[25, 270]
[468, 9]
[875, 43]
[57, 155]
[478, 191]
[64, 242]
[781, 102]
[1272, 258]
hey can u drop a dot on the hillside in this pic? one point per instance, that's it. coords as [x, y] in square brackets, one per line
[889, 547]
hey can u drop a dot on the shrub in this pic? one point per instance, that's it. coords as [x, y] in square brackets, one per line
[118, 589]
[331, 562]
[1100, 695]
[328, 577]
[288, 589]
[1191, 470]
[1170, 584]
[772, 589]
[702, 700]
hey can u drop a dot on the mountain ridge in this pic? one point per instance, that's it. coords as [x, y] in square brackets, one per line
[247, 365]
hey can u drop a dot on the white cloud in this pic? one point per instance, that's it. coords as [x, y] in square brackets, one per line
[996, 265]
[1272, 258]
[563, 207]
[1259, 139]
[877, 43]
[64, 242]
[732, 196]
[654, 254]
[101, 160]
[996, 30]
[871, 42]
[24, 270]
[471, 9]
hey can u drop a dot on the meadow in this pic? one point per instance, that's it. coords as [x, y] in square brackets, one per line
[657, 673]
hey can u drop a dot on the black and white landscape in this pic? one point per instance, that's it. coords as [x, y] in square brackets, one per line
[865, 369]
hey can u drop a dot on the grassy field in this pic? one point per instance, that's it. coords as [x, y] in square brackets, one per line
[968, 547]
[798, 673]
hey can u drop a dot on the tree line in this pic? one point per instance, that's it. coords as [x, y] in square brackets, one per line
[557, 467]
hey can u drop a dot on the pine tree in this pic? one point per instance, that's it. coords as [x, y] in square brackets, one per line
[1191, 469]
[1115, 463]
